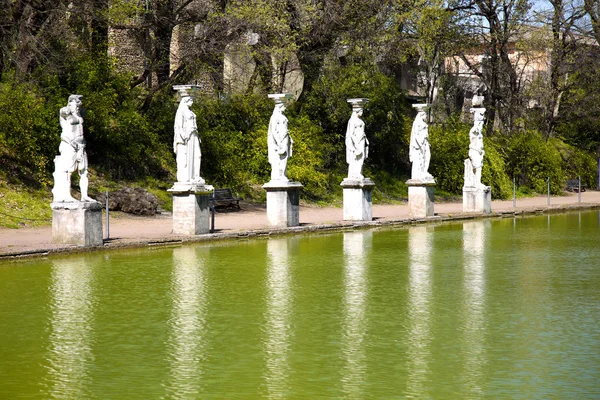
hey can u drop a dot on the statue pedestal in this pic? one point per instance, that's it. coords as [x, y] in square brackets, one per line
[77, 222]
[283, 203]
[477, 200]
[191, 208]
[358, 199]
[420, 198]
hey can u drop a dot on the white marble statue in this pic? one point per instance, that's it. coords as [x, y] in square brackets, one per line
[72, 153]
[186, 143]
[280, 142]
[420, 153]
[474, 163]
[357, 144]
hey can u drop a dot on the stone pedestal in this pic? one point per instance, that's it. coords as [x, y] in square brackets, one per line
[191, 208]
[358, 199]
[283, 203]
[420, 198]
[477, 200]
[77, 222]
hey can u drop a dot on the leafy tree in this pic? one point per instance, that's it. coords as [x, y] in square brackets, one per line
[32, 34]
[557, 39]
[311, 29]
[493, 25]
[29, 135]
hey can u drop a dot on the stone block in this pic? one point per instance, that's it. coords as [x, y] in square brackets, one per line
[358, 199]
[78, 223]
[283, 203]
[477, 200]
[420, 199]
[191, 209]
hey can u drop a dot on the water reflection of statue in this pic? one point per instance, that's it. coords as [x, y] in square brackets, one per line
[357, 145]
[278, 310]
[474, 163]
[187, 325]
[420, 153]
[72, 153]
[279, 143]
[186, 143]
[71, 305]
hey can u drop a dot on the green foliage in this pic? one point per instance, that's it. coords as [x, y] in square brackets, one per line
[526, 156]
[449, 148]
[21, 206]
[233, 132]
[29, 133]
[126, 143]
[580, 122]
[306, 165]
[532, 161]
[121, 140]
[384, 118]
[388, 188]
[577, 162]
[234, 144]
[494, 170]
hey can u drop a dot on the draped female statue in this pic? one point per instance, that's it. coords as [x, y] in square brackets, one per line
[474, 163]
[420, 153]
[280, 143]
[357, 145]
[186, 143]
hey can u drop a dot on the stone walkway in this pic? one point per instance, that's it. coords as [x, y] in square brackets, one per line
[132, 231]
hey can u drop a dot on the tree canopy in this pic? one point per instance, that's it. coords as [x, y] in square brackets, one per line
[526, 62]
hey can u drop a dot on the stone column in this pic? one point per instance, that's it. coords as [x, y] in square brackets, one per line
[358, 199]
[283, 203]
[77, 222]
[477, 199]
[191, 208]
[420, 198]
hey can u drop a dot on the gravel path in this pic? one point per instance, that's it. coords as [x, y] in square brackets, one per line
[132, 230]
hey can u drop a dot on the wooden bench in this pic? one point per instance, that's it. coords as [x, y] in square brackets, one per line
[573, 186]
[224, 197]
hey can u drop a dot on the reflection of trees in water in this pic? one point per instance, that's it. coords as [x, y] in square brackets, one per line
[356, 246]
[71, 332]
[187, 324]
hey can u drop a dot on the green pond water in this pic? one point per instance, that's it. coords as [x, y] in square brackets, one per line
[499, 309]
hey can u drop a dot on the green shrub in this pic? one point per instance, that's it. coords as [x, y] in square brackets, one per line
[532, 161]
[388, 188]
[29, 134]
[577, 162]
[449, 148]
[384, 115]
[122, 140]
[233, 132]
[234, 146]
[494, 171]
[307, 165]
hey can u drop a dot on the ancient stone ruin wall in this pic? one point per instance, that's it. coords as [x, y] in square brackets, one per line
[182, 45]
[126, 49]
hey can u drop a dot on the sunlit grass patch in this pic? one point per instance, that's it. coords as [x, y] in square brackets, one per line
[21, 207]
